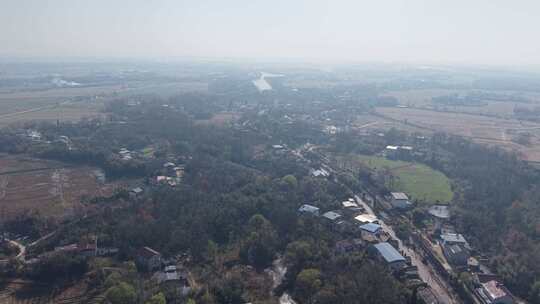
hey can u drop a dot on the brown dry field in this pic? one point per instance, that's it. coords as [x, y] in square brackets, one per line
[11, 102]
[54, 192]
[419, 98]
[482, 129]
[71, 112]
[502, 109]
[219, 119]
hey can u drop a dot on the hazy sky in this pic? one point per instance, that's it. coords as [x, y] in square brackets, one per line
[458, 31]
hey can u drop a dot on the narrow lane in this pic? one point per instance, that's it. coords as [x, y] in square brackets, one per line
[426, 273]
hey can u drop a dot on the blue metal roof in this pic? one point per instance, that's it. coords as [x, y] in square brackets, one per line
[370, 227]
[388, 252]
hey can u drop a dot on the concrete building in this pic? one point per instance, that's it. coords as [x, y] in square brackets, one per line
[371, 229]
[135, 192]
[309, 209]
[389, 255]
[456, 254]
[332, 216]
[454, 239]
[440, 215]
[366, 218]
[493, 292]
[148, 259]
[400, 200]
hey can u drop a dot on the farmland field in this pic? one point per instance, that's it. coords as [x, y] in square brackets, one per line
[72, 104]
[483, 129]
[419, 181]
[52, 188]
[219, 119]
[497, 108]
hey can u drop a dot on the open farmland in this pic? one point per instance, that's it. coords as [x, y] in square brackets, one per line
[18, 101]
[219, 119]
[498, 108]
[52, 188]
[62, 113]
[418, 180]
[74, 103]
[483, 129]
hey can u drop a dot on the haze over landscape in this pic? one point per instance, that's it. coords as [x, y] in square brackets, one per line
[494, 32]
[269, 152]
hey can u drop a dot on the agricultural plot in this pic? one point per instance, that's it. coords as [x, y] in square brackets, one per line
[72, 104]
[52, 188]
[219, 119]
[418, 180]
[483, 129]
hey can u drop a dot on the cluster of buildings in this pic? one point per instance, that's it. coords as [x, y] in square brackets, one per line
[398, 201]
[125, 154]
[166, 274]
[394, 152]
[171, 174]
[457, 256]
[363, 231]
[128, 155]
[321, 172]
[85, 248]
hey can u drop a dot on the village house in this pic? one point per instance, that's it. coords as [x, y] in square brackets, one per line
[365, 218]
[427, 295]
[395, 152]
[456, 254]
[387, 254]
[320, 173]
[449, 238]
[125, 154]
[106, 251]
[173, 281]
[88, 250]
[370, 229]
[440, 215]
[135, 192]
[308, 209]
[400, 200]
[351, 207]
[332, 217]
[493, 292]
[148, 259]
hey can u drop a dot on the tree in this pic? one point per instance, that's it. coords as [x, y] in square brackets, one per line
[158, 298]
[260, 247]
[112, 280]
[123, 293]
[308, 282]
[534, 293]
[298, 253]
[290, 180]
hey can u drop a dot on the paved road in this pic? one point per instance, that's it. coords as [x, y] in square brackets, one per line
[426, 273]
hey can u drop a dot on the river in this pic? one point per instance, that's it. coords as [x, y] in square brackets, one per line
[262, 84]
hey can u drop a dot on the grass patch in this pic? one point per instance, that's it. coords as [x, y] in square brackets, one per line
[421, 182]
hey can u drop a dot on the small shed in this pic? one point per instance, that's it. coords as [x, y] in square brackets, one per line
[309, 209]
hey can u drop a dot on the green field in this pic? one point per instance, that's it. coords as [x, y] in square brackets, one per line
[419, 181]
